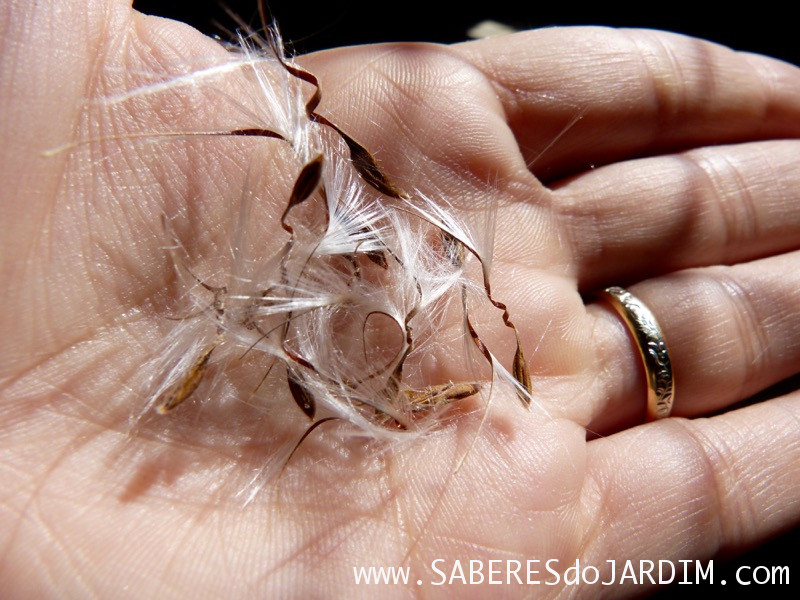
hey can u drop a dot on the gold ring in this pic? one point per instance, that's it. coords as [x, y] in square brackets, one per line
[652, 348]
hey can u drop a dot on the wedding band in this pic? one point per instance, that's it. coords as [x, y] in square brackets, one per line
[652, 348]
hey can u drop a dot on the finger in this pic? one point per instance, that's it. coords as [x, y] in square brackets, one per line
[631, 92]
[680, 489]
[731, 332]
[429, 116]
[717, 205]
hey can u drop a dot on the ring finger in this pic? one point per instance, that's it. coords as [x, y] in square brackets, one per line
[731, 332]
[726, 327]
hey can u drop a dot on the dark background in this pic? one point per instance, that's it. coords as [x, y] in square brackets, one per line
[307, 26]
[765, 27]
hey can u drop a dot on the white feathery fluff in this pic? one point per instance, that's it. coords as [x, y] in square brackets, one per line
[361, 280]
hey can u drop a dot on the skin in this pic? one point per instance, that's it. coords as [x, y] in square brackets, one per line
[637, 158]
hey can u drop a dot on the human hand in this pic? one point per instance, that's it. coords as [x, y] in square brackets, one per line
[99, 511]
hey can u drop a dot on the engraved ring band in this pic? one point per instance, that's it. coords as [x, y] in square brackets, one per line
[652, 348]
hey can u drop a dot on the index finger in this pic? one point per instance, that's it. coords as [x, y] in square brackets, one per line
[605, 94]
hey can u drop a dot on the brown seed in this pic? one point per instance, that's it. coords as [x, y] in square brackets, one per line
[186, 387]
[302, 397]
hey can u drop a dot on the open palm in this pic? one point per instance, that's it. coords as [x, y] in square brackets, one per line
[612, 157]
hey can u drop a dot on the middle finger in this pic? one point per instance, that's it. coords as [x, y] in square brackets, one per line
[716, 205]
